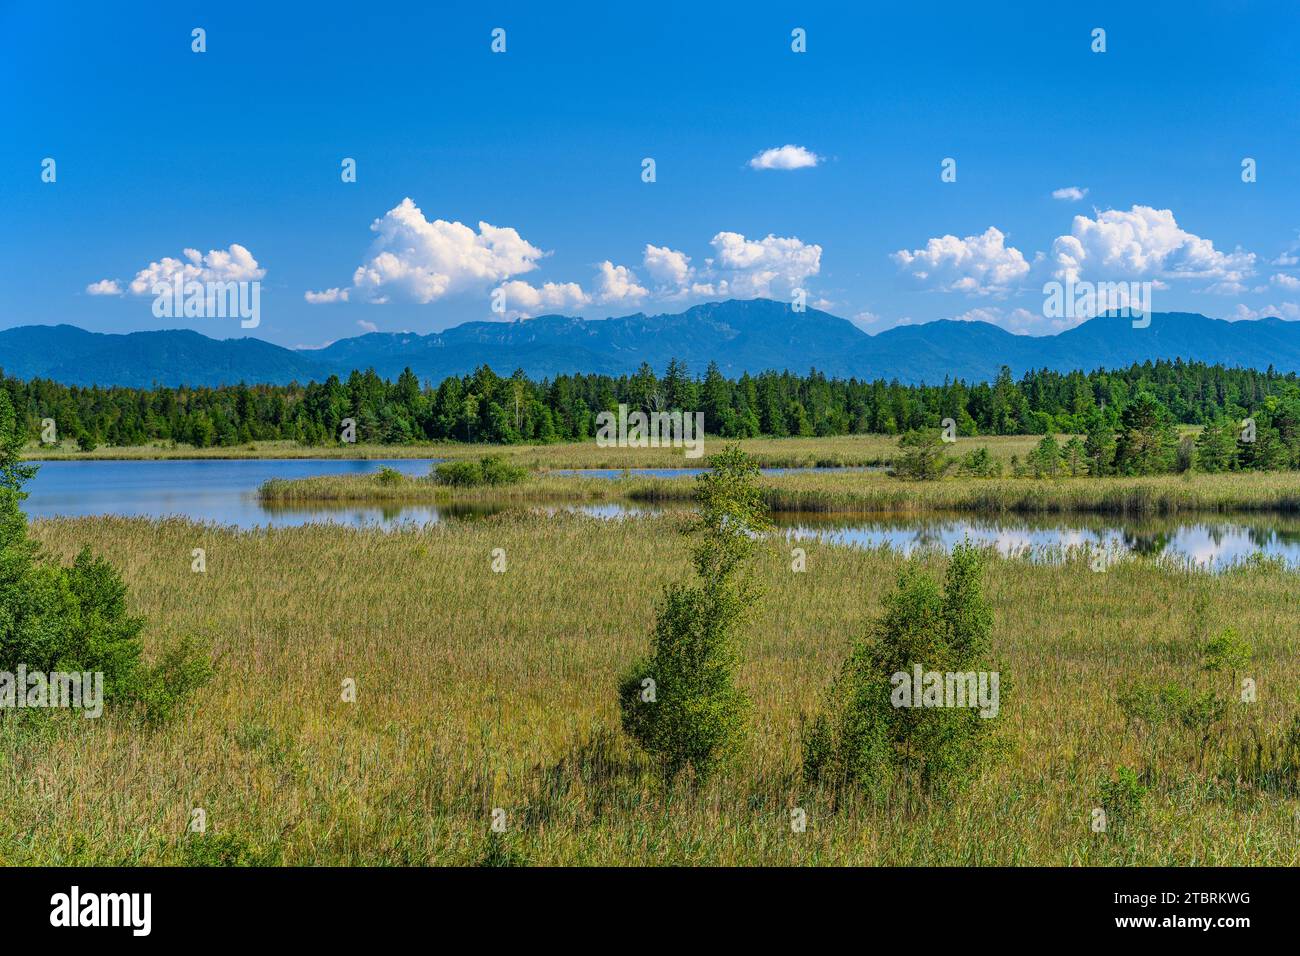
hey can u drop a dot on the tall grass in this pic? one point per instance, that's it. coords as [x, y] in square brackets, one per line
[370, 488]
[1158, 495]
[479, 690]
[860, 493]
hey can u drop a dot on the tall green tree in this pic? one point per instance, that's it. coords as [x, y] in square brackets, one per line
[1045, 459]
[1148, 441]
[1216, 446]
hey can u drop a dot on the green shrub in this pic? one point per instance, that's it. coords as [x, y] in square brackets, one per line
[1173, 717]
[389, 476]
[1148, 707]
[489, 470]
[460, 473]
[681, 703]
[74, 618]
[921, 456]
[227, 850]
[861, 738]
[498, 851]
[1122, 800]
[498, 471]
[979, 464]
[182, 668]
[1163, 712]
[1226, 653]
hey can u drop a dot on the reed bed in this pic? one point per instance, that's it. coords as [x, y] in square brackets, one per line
[1164, 495]
[478, 690]
[856, 493]
[372, 488]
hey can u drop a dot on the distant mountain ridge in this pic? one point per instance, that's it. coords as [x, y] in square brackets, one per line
[753, 336]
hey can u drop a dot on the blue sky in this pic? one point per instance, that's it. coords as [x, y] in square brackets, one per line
[159, 150]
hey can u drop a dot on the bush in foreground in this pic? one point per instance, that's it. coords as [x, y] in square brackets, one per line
[74, 618]
[864, 738]
[681, 703]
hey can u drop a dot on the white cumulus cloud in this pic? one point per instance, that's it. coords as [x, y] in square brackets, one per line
[1070, 193]
[771, 267]
[235, 264]
[614, 285]
[618, 284]
[669, 269]
[1287, 310]
[523, 299]
[785, 157]
[975, 265]
[104, 287]
[326, 296]
[417, 260]
[413, 259]
[1145, 244]
[871, 322]
[1019, 321]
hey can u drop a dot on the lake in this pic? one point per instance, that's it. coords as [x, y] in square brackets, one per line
[216, 490]
[225, 492]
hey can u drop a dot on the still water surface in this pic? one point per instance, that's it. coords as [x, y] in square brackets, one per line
[225, 492]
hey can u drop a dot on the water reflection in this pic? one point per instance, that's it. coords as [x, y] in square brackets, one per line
[225, 492]
[215, 490]
[1213, 543]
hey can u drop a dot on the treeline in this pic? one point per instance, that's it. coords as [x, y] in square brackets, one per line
[1140, 439]
[485, 407]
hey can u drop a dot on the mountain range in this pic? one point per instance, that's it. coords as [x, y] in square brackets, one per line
[741, 336]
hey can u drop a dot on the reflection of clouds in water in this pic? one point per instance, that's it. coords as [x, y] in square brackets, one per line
[399, 515]
[1007, 540]
[1200, 547]
[607, 511]
[1222, 545]
[1214, 546]
[1013, 543]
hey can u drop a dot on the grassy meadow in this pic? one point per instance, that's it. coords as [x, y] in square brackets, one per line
[478, 690]
[839, 450]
